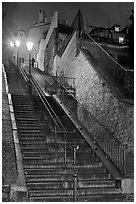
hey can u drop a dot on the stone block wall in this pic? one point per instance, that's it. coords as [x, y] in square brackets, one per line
[99, 98]
[98, 94]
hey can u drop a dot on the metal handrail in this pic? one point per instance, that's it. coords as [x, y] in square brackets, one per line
[66, 81]
[55, 118]
[106, 52]
[124, 77]
[110, 144]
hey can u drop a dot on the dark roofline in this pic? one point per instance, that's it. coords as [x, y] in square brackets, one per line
[40, 25]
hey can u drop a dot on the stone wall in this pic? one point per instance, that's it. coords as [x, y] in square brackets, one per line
[97, 93]
[49, 54]
[100, 98]
[66, 64]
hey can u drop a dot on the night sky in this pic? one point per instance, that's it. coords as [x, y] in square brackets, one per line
[97, 13]
[20, 15]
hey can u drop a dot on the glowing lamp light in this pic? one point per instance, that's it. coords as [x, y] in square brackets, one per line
[29, 46]
[11, 44]
[17, 43]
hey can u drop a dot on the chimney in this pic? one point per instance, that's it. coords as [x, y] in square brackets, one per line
[66, 21]
[45, 19]
[41, 16]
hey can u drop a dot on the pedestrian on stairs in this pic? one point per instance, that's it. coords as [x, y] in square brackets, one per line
[33, 61]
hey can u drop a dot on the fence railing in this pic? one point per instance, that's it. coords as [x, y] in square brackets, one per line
[52, 86]
[58, 124]
[106, 140]
[124, 77]
[36, 87]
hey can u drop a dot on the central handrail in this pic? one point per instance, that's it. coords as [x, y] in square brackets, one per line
[55, 118]
[37, 87]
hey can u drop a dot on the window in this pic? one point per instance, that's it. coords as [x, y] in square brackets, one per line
[116, 28]
[121, 40]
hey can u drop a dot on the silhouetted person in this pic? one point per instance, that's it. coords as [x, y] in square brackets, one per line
[33, 61]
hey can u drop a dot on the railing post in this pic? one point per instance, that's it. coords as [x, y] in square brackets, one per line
[75, 148]
[65, 156]
[124, 158]
[75, 187]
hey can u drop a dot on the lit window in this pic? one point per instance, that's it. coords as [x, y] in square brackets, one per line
[121, 40]
[116, 29]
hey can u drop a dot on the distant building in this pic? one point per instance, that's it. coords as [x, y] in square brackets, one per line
[38, 31]
[56, 30]
[114, 41]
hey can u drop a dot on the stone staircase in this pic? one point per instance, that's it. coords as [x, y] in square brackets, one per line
[48, 160]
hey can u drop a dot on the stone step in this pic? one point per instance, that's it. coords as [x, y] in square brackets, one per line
[67, 184]
[48, 154]
[32, 138]
[42, 147]
[35, 138]
[29, 127]
[33, 135]
[20, 109]
[48, 144]
[32, 121]
[69, 191]
[23, 103]
[56, 170]
[65, 175]
[85, 198]
[25, 116]
[30, 131]
[68, 176]
[52, 141]
[25, 119]
[25, 124]
[33, 159]
[120, 197]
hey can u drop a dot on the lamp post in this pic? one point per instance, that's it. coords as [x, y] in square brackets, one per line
[75, 148]
[17, 45]
[11, 48]
[29, 46]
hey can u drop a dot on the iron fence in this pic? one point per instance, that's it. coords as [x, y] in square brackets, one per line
[124, 77]
[105, 139]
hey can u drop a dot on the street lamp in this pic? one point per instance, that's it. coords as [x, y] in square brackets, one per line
[29, 46]
[11, 48]
[17, 45]
[11, 44]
